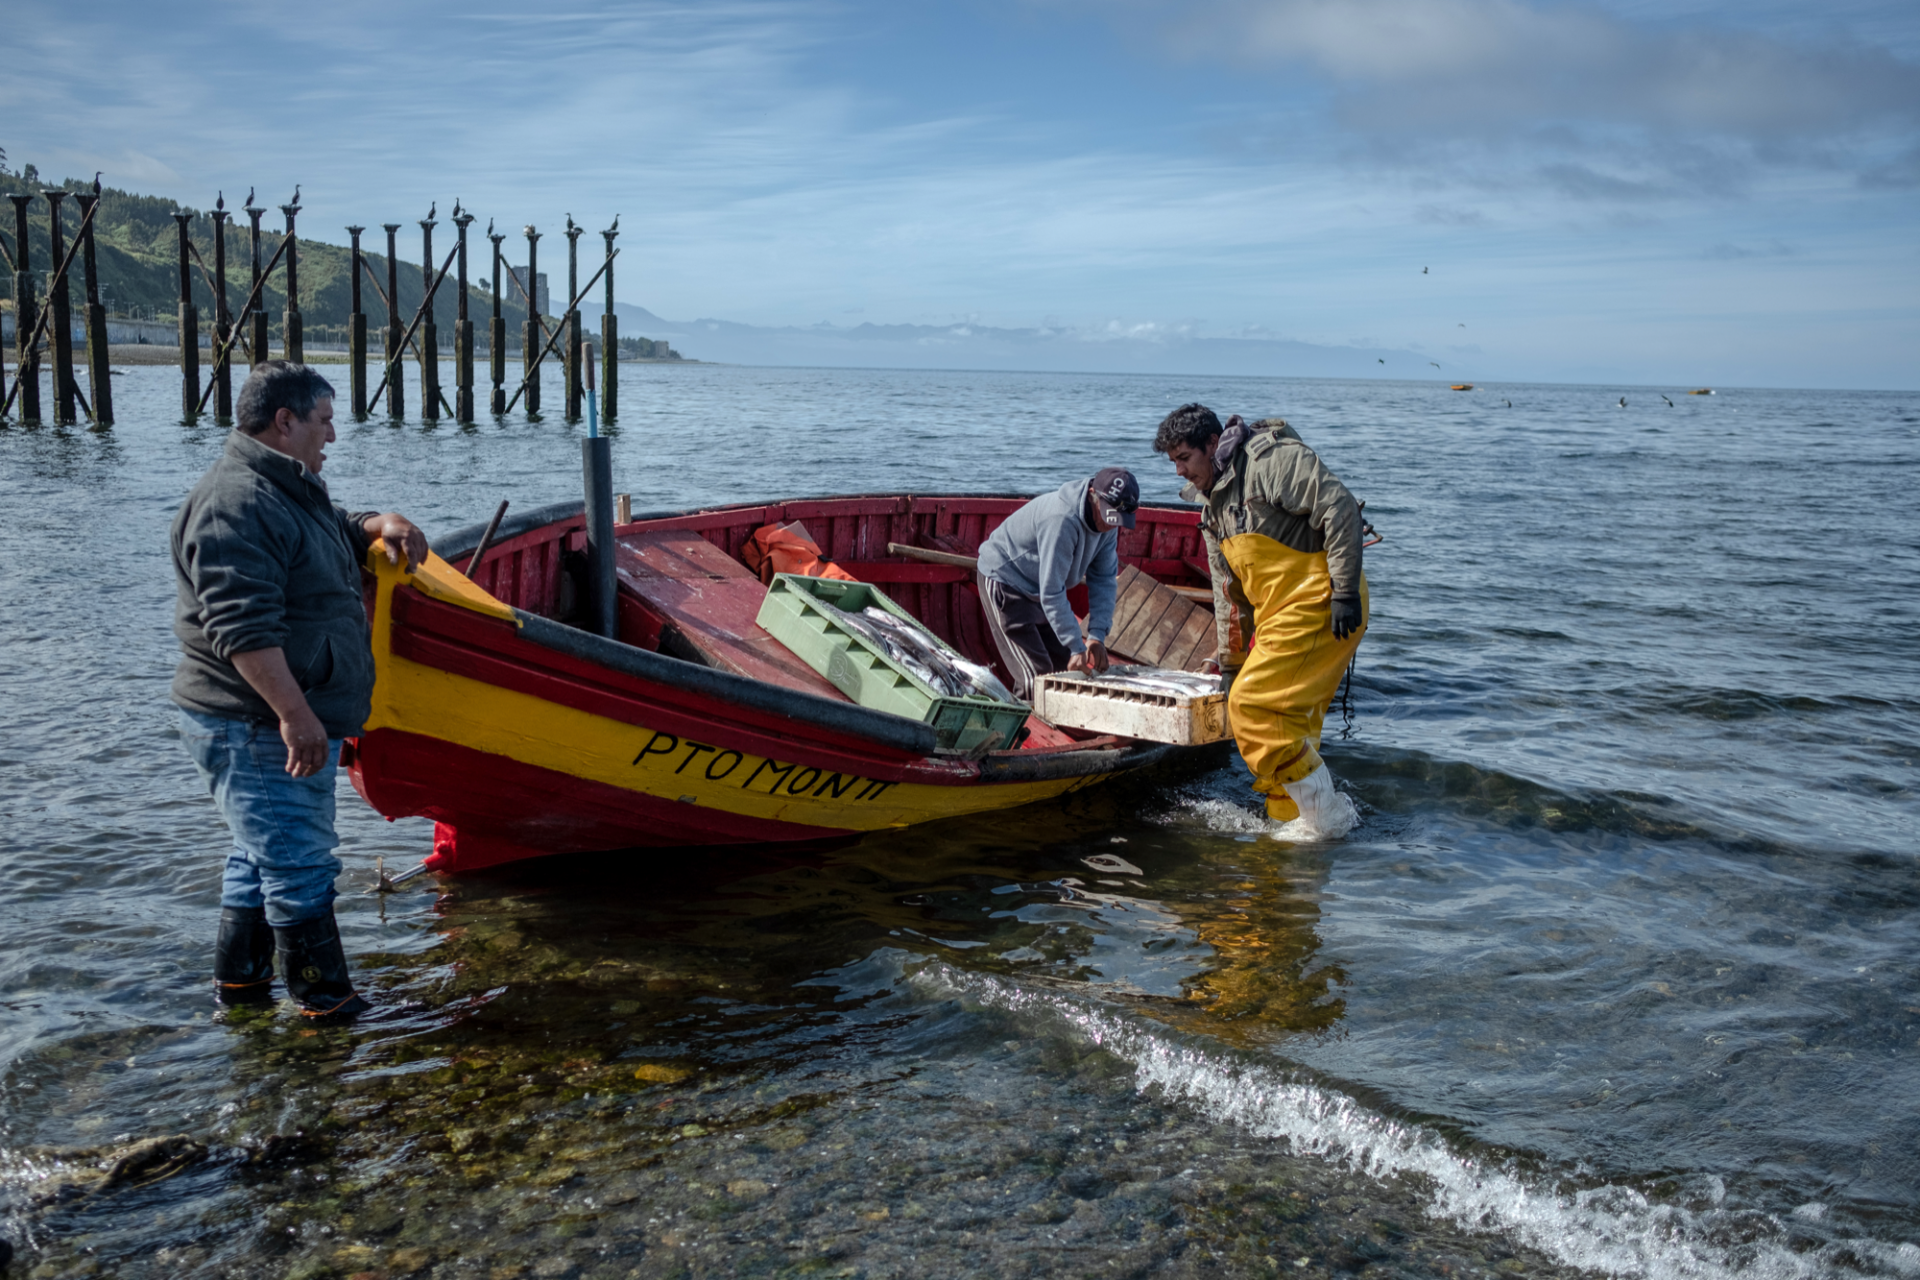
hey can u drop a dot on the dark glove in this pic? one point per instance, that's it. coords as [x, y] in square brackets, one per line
[1346, 617]
[1226, 677]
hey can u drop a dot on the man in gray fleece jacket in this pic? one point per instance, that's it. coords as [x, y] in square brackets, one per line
[275, 670]
[1037, 555]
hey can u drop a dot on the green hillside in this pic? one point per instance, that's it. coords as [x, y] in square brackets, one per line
[138, 253]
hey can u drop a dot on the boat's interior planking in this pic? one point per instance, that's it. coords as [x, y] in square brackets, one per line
[536, 560]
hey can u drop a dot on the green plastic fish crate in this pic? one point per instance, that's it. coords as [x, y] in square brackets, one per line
[866, 674]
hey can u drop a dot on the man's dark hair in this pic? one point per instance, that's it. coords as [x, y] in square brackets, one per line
[275, 385]
[1190, 424]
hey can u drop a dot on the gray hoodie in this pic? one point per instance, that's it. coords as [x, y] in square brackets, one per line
[263, 558]
[1045, 548]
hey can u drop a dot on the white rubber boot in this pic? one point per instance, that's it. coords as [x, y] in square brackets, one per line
[1325, 814]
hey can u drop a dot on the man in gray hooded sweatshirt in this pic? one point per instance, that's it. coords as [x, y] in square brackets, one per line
[275, 669]
[1042, 551]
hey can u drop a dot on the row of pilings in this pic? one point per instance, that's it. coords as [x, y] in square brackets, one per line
[243, 333]
[54, 322]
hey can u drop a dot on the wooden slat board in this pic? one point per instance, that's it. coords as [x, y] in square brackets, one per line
[1157, 626]
[710, 601]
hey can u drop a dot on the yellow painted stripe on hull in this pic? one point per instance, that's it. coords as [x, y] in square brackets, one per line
[419, 699]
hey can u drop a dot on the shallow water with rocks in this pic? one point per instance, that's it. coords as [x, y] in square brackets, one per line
[1617, 976]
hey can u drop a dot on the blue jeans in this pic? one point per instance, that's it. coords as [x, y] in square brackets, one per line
[282, 826]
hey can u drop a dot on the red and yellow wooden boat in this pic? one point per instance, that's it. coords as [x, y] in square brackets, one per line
[521, 735]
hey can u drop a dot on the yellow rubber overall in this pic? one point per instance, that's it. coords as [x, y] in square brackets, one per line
[1294, 665]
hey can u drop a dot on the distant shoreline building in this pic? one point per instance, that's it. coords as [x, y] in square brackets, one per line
[538, 292]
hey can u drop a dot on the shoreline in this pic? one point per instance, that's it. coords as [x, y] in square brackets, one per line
[145, 353]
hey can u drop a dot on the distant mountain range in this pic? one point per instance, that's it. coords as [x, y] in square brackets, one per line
[966, 346]
[139, 274]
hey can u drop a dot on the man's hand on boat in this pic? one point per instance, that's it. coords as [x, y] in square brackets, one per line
[400, 534]
[1093, 658]
[306, 738]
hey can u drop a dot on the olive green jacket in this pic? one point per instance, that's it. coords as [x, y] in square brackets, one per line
[1277, 487]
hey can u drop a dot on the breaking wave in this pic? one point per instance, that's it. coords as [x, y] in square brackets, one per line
[1611, 1229]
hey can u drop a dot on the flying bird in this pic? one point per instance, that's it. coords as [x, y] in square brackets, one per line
[1463, 324]
[1383, 362]
[1669, 402]
[1423, 271]
[1509, 404]
[1434, 363]
[1623, 402]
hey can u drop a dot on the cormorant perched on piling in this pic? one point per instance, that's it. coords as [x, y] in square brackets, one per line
[249, 203]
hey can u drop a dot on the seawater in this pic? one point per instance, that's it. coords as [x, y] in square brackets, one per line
[1617, 976]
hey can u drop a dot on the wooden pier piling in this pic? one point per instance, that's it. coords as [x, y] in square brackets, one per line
[429, 339]
[222, 322]
[60, 302]
[576, 390]
[536, 334]
[26, 364]
[255, 321]
[357, 336]
[189, 319]
[396, 385]
[293, 341]
[99, 366]
[463, 329]
[497, 332]
[610, 339]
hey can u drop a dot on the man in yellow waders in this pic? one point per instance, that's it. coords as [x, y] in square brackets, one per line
[1283, 540]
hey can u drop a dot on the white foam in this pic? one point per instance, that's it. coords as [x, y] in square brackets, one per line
[1614, 1230]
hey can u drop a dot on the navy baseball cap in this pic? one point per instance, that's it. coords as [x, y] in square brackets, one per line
[1116, 495]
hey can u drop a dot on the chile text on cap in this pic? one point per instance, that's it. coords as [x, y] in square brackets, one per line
[1116, 495]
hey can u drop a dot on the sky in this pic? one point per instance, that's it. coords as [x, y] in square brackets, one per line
[1690, 192]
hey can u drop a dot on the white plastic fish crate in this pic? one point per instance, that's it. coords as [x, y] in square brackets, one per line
[1075, 700]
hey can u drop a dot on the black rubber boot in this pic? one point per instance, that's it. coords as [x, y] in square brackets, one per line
[243, 958]
[316, 969]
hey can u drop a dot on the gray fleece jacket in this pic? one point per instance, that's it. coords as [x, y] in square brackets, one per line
[1045, 548]
[263, 558]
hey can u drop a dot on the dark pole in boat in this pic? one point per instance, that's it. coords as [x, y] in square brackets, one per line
[222, 365]
[61, 301]
[189, 326]
[256, 318]
[429, 339]
[294, 340]
[610, 336]
[357, 335]
[486, 538]
[396, 385]
[536, 329]
[462, 330]
[596, 465]
[26, 371]
[497, 331]
[99, 372]
[574, 336]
